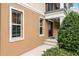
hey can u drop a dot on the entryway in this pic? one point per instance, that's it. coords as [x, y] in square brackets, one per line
[50, 29]
[53, 28]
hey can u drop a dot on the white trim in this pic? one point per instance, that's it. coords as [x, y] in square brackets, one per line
[50, 20]
[10, 24]
[61, 5]
[43, 26]
[61, 20]
[26, 5]
[54, 15]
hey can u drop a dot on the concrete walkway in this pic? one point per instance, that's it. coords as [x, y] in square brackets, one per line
[37, 51]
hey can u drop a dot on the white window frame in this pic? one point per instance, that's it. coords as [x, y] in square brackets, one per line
[43, 26]
[10, 28]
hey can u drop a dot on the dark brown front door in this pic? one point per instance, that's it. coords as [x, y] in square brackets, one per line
[50, 28]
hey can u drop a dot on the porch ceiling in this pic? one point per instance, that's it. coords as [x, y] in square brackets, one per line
[54, 19]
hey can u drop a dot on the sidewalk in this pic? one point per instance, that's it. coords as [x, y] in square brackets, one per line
[37, 51]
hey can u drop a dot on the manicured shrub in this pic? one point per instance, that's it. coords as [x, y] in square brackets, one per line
[58, 52]
[68, 37]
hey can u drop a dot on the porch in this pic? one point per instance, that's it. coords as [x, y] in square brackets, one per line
[54, 20]
[53, 28]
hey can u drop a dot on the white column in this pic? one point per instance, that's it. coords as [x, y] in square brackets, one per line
[61, 5]
[61, 19]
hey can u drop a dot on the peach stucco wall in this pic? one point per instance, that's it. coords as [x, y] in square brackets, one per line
[0, 29]
[31, 27]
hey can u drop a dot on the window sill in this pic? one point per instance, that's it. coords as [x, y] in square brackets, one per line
[16, 39]
[41, 35]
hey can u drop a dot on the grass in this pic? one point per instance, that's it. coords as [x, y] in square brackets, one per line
[58, 52]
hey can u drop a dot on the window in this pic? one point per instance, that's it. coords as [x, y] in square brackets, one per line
[71, 5]
[65, 5]
[16, 24]
[57, 6]
[52, 6]
[41, 26]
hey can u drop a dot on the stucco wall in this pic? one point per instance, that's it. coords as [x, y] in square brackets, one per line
[0, 29]
[31, 27]
[55, 28]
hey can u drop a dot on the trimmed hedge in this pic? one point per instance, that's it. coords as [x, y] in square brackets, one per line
[58, 52]
[68, 37]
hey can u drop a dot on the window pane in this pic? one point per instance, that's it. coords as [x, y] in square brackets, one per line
[18, 18]
[57, 5]
[14, 17]
[48, 7]
[13, 30]
[18, 31]
[41, 22]
[51, 6]
[41, 30]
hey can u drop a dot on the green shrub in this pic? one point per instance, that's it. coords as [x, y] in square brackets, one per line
[68, 37]
[58, 52]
